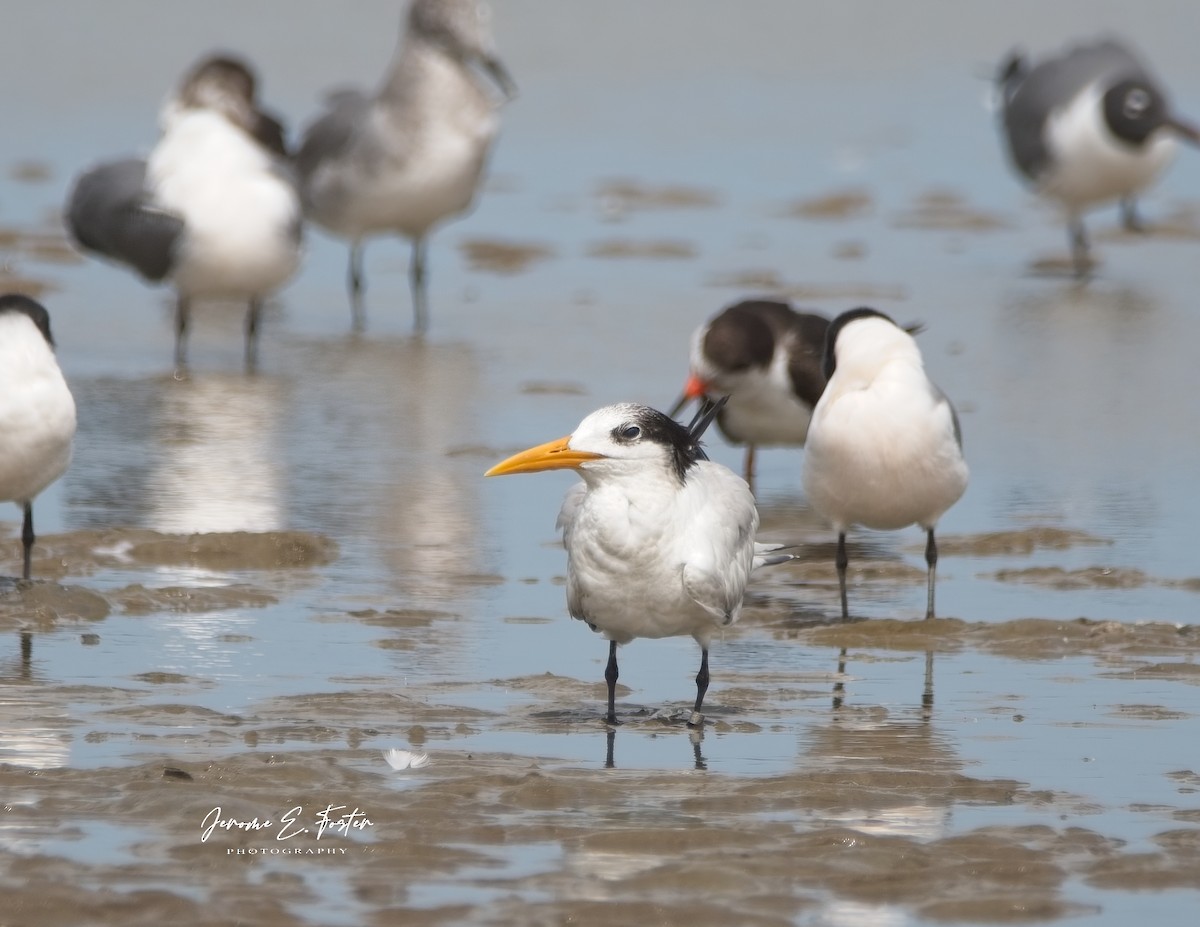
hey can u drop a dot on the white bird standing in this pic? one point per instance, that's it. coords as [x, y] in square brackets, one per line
[411, 155]
[214, 209]
[37, 411]
[766, 357]
[884, 448]
[660, 540]
[1088, 126]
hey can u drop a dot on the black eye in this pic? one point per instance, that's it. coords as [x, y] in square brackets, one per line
[630, 432]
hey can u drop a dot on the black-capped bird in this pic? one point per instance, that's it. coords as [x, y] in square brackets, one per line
[766, 357]
[37, 411]
[214, 209]
[660, 540]
[1088, 126]
[884, 448]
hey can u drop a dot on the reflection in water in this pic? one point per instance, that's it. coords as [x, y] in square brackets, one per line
[695, 738]
[892, 753]
[181, 456]
[380, 456]
[32, 735]
[220, 466]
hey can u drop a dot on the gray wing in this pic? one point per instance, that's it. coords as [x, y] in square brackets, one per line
[332, 134]
[939, 398]
[1050, 84]
[566, 524]
[110, 214]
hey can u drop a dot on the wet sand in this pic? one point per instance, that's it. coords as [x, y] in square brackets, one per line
[863, 818]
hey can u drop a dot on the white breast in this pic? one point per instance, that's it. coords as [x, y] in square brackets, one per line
[37, 412]
[240, 213]
[1089, 165]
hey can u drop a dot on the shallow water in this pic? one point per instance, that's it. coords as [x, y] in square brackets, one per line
[251, 587]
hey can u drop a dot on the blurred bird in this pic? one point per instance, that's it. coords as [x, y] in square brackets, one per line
[37, 412]
[660, 540]
[410, 155]
[1086, 127]
[766, 358]
[214, 210]
[884, 448]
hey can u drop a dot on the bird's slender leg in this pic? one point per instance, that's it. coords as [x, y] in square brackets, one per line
[253, 315]
[610, 676]
[27, 539]
[1079, 247]
[931, 561]
[1129, 215]
[610, 747]
[182, 318]
[750, 466]
[697, 719]
[354, 283]
[842, 561]
[416, 275]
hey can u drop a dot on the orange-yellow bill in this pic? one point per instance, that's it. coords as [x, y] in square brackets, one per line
[553, 455]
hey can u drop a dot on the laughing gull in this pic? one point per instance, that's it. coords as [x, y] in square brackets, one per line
[214, 209]
[37, 411]
[1088, 126]
[884, 447]
[766, 357]
[410, 155]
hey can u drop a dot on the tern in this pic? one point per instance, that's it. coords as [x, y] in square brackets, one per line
[411, 155]
[37, 411]
[214, 209]
[660, 540]
[884, 448]
[766, 357]
[1088, 126]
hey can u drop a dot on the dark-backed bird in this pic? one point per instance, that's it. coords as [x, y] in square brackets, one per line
[410, 155]
[660, 541]
[214, 209]
[1088, 126]
[37, 411]
[884, 448]
[766, 357]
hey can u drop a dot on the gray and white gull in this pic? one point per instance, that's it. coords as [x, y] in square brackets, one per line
[409, 156]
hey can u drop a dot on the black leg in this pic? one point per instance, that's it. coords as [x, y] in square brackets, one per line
[842, 562]
[27, 538]
[1129, 215]
[701, 687]
[253, 316]
[354, 282]
[610, 676]
[416, 273]
[931, 562]
[1079, 248]
[610, 747]
[182, 317]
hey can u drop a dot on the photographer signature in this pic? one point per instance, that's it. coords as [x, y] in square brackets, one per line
[335, 819]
